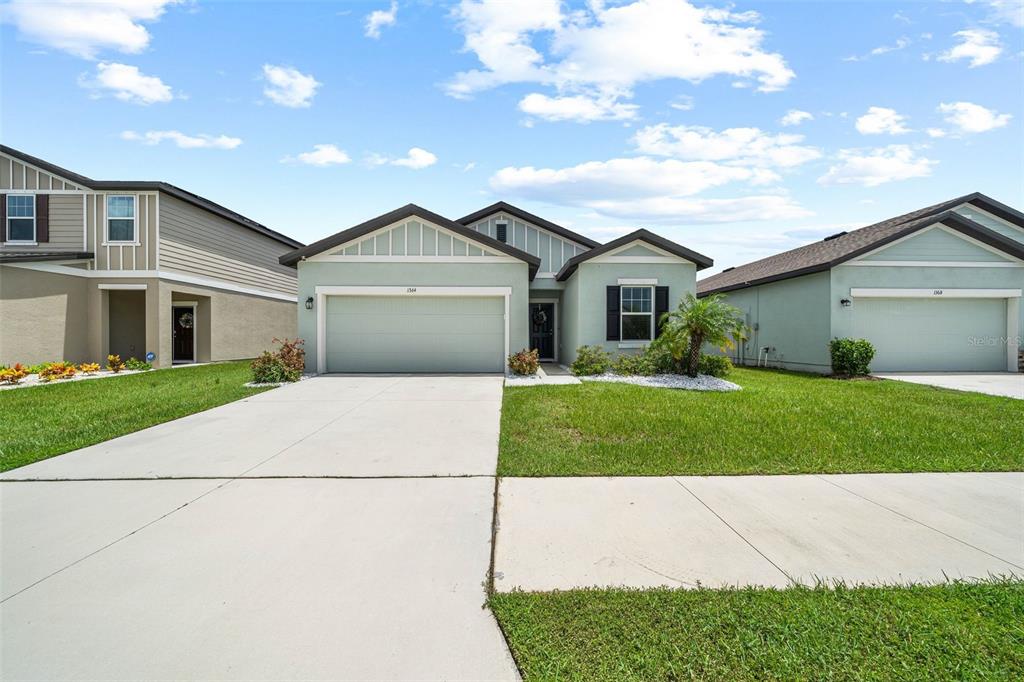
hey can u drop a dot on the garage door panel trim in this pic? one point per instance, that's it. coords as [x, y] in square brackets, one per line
[936, 292]
[412, 291]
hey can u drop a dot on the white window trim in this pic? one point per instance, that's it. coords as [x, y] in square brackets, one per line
[623, 313]
[7, 219]
[322, 292]
[107, 241]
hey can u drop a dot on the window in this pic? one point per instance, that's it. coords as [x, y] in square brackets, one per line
[120, 218]
[21, 218]
[637, 313]
[502, 231]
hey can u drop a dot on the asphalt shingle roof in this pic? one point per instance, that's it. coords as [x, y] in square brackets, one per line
[824, 254]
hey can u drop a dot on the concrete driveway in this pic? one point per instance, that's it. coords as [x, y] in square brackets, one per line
[335, 529]
[720, 531]
[1006, 384]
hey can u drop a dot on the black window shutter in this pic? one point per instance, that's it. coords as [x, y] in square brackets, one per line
[660, 307]
[42, 218]
[502, 232]
[612, 324]
[3, 216]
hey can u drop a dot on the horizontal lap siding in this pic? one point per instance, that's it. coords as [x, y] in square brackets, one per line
[991, 222]
[196, 242]
[66, 228]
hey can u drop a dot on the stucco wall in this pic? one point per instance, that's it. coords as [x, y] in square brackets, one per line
[43, 317]
[313, 274]
[846, 277]
[127, 326]
[585, 296]
[792, 318]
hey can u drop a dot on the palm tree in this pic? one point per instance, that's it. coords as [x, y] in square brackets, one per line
[697, 321]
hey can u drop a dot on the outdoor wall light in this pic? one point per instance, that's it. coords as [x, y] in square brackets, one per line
[309, 303]
[845, 302]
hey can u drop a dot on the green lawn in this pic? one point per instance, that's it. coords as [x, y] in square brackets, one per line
[954, 631]
[40, 422]
[782, 422]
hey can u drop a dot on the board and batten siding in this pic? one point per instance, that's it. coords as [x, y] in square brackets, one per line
[197, 242]
[17, 176]
[552, 250]
[413, 238]
[139, 256]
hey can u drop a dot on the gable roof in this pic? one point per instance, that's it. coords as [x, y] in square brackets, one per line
[408, 211]
[504, 207]
[167, 188]
[638, 235]
[832, 251]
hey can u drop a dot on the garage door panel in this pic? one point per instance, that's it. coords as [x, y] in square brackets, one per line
[415, 334]
[914, 335]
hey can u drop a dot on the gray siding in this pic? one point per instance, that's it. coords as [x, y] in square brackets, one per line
[142, 255]
[552, 249]
[196, 242]
[412, 238]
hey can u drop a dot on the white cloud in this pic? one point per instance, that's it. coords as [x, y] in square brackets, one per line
[880, 120]
[733, 146]
[645, 188]
[901, 43]
[322, 155]
[289, 87]
[579, 108]
[603, 52]
[127, 83]
[972, 118]
[682, 103]
[378, 19]
[1004, 11]
[873, 167]
[182, 140]
[936, 132]
[416, 158]
[978, 45]
[85, 28]
[795, 117]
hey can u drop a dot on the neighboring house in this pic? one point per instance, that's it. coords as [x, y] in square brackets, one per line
[90, 267]
[936, 289]
[412, 291]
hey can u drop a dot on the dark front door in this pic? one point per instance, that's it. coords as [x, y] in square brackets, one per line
[542, 329]
[183, 329]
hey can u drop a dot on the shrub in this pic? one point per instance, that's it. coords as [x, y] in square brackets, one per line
[591, 360]
[714, 365]
[525, 362]
[851, 357]
[280, 366]
[13, 375]
[89, 367]
[293, 356]
[36, 369]
[137, 365]
[114, 363]
[661, 356]
[58, 370]
[639, 364]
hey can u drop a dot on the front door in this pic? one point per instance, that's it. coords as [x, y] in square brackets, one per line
[183, 331]
[542, 329]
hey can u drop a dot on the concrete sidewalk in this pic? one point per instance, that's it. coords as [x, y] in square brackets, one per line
[719, 531]
[1005, 384]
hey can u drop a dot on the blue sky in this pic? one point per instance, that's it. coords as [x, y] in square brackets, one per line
[312, 117]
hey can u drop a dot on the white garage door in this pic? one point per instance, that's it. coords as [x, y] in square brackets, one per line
[925, 334]
[415, 334]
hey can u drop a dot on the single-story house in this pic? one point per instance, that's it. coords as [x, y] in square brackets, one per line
[413, 291]
[937, 289]
[95, 267]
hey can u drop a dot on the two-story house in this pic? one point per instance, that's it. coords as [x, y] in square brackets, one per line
[90, 267]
